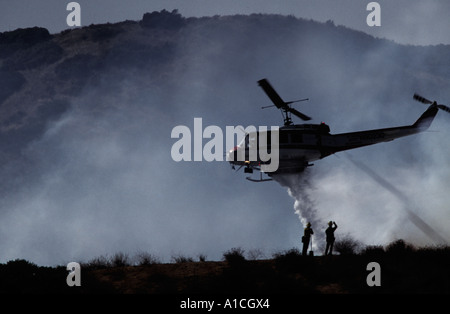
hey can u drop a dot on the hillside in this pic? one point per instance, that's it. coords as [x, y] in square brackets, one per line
[403, 270]
[42, 74]
[288, 274]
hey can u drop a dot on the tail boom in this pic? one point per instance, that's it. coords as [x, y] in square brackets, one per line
[345, 141]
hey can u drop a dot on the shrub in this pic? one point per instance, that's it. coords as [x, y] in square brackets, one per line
[21, 265]
[98, 263]
[347, 245]
[164, 19]
[292, 253]
[120, 260]
[399, 247]
[373, 251]
[143, 258]
[27, 35]
[255, 254]
[292, 260]
[234, 256]
[202, 257]
[181, 259]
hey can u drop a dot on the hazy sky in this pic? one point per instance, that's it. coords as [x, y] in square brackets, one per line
[406, 21]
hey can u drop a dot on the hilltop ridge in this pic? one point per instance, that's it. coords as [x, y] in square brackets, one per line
[403, 269]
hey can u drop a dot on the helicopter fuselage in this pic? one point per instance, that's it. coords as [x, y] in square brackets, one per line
[299, 145]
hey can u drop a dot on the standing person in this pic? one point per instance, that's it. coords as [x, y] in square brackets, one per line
[306, 238]
[330, 237]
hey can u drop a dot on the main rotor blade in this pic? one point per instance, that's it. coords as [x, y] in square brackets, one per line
[279, 102]
[239, 168]
[422, 99]
[294, 101]
[272, 94]
[299, 114]
[445, 108]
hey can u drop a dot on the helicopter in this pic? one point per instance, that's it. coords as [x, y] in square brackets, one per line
[301, 144]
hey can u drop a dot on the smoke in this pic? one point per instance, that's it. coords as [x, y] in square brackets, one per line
[383, 214]
[300, 188]
[408, 205]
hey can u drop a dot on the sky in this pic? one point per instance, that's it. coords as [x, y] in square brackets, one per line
[99, 186]
[416, 22]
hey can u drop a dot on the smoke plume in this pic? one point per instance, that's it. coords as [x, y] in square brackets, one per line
[300, 188]
[407, 207]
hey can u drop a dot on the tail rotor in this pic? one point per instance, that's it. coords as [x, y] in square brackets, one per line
[429, 102]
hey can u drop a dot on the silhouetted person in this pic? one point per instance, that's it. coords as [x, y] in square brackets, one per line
[306, 238]
[330, 237]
